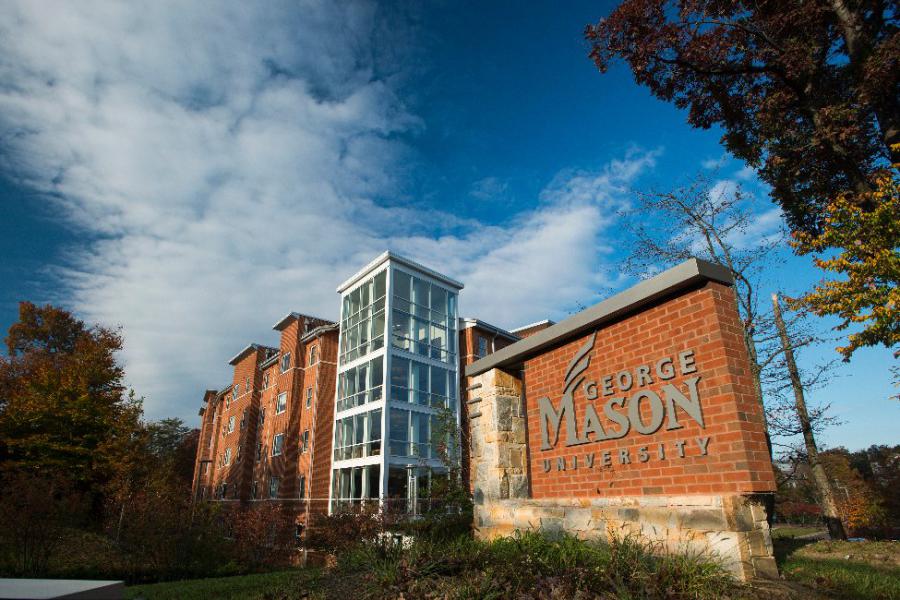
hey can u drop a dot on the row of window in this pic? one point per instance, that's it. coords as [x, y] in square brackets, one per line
[411, 433]
[284, 365]
[274, 487]
[408, 488]
[360, 384]
[363, 319]
[277, 448]
[280, 407]
[358, 436]
[423, 318]
[425, 385]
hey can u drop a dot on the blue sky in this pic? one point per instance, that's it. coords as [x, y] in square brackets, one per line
[192, 175]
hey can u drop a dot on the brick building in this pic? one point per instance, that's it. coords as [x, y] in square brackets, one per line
[302, 424]
[266, 437]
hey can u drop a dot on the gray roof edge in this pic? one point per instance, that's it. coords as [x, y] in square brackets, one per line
[313, 333]
[468, 322]
[535, 324]
[281, 324]
[643, 293]
[247, 349]
[388, 255]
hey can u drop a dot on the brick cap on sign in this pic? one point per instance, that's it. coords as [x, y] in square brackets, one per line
[388, 255]
[677, 278]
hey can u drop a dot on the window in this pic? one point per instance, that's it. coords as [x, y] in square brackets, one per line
[285, 362]
[237, 457]
[313, 355]
[399, 428]
[482, 350]
[304, 441]
[277, 444]
[235, 391]
[308, 397]
[362, 319]
[281, 403]
[358, 436]
[253, 490]
[418, 383]
[424, 318]
[301, 485]
[226, 459]
[354, 485]
[262, 416]
[410, 433]
[244, 419]
[258, 451]
[230, 423]
[265, 380]
[247, 387]
[274, 483]
[360, 384]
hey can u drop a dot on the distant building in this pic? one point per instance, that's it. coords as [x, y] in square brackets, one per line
[343, 413]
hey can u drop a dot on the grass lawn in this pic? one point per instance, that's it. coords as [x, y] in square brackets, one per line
[852, 570]
[279, 584]
[791, 531]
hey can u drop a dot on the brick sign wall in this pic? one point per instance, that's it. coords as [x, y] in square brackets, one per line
[636, 416]
[658, 403]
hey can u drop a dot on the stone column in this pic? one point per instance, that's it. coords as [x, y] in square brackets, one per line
[497, 440]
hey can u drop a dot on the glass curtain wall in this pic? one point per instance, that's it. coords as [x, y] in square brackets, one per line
[391, 395]
[362, 319]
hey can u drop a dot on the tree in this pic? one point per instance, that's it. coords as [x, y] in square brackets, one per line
[860, 505]
[869, 260]
[806, 92]
[63, 406]
[698, 221]
[824, 489]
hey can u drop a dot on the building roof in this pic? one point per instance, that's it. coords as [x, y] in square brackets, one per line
[467, 322]
[250, 348]
[683, 276]
[546, 322]
[295, 315]
[319, 331]
[387, 255]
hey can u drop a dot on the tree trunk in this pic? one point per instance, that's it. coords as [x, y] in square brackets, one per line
[820, 478]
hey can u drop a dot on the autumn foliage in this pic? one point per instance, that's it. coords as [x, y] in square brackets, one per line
[805, 91]
[864, 285]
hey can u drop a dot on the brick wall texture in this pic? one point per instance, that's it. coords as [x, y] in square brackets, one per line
[703, 320]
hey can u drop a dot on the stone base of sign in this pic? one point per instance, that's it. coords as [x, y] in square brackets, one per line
[729, 528]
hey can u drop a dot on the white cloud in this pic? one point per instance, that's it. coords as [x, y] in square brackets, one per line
[227, 166]
[544, 261]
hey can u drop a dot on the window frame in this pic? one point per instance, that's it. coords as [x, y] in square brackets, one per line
[273, 493]
[279, 404]
[284, 364]
[275, 439]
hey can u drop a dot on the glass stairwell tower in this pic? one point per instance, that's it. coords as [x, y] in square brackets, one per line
[397, 375]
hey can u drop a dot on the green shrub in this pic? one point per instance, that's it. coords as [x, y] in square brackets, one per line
[535, 565]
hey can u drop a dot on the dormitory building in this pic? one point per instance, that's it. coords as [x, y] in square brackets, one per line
[343, 413]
